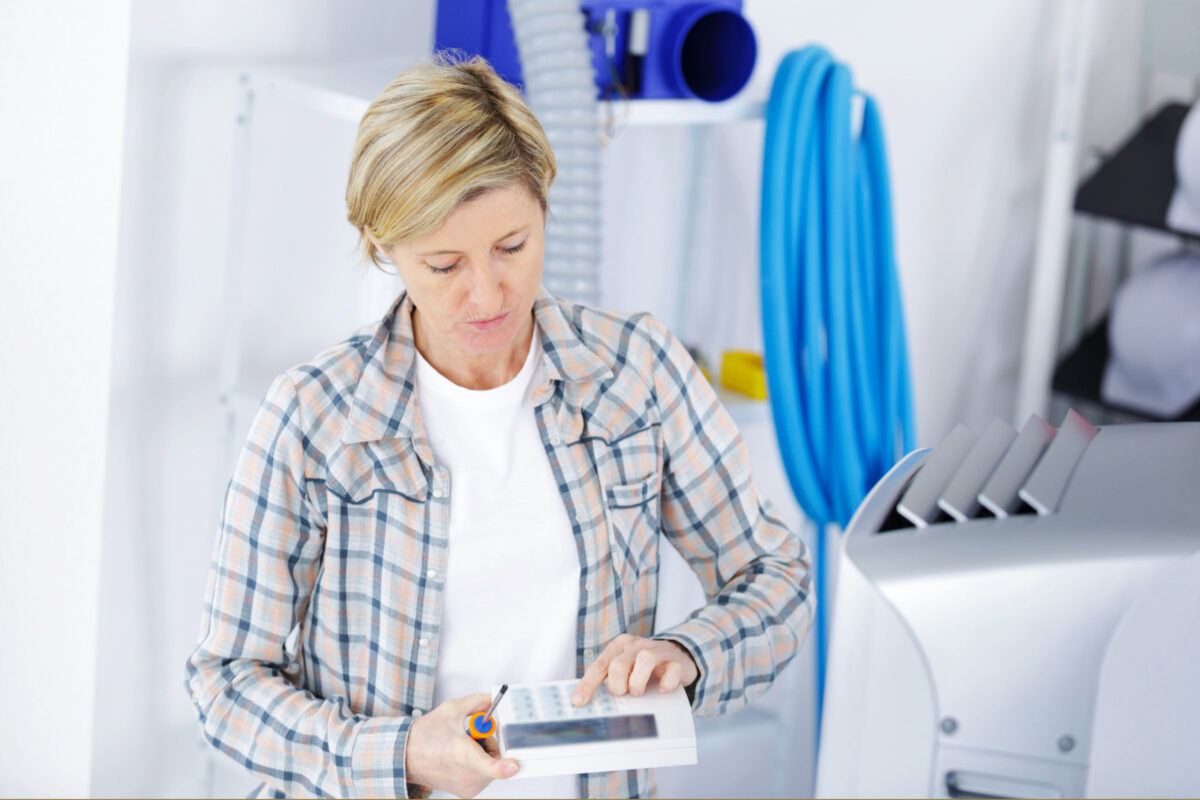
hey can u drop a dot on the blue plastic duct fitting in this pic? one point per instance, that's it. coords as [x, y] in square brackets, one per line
[833, 327]
[707, 52]
[695, 50]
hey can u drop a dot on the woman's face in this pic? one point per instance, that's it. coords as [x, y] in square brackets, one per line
[474, 280]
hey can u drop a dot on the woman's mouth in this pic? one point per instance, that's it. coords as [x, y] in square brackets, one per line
[489, 324]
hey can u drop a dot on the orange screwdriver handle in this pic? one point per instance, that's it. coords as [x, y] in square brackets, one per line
[480, 726]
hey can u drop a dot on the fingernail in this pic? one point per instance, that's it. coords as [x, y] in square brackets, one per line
[577, 699]
[510, 768]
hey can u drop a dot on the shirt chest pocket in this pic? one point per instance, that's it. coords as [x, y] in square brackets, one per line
[632, 504]
[633, 521]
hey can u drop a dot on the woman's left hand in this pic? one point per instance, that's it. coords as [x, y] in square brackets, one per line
[629, 661]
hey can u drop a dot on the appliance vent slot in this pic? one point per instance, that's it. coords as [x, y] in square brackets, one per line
[919, 505]
[1046, 486]
[1000, 474]
[999, 494]
[961, 498]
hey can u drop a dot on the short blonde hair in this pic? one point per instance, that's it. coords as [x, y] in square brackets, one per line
[440, 134]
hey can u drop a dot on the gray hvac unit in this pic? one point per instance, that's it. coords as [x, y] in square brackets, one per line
[1018, 615]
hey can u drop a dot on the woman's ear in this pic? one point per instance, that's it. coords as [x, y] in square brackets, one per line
[380, 250]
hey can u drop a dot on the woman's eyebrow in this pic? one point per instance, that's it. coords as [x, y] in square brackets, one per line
[501, 239]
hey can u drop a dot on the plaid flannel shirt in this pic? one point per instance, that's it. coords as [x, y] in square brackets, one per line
[323, 602]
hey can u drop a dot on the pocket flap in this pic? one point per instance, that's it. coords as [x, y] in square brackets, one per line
[633, 494]
[356, 471]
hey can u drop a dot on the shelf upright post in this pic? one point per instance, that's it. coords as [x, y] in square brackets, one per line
[1054, 229]
[1078, 284]
[231, 329]
[695, 149]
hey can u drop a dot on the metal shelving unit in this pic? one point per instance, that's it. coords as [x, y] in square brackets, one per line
[1132, 187]
[1124, 188]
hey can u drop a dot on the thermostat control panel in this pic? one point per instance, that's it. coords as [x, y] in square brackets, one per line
[547, 735]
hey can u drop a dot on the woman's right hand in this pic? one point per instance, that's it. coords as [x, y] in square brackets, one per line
[440, 754]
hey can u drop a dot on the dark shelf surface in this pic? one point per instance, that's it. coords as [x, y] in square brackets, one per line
[1080, 372]
[1135, 184]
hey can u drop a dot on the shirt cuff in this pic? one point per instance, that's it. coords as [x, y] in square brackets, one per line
[692, 648]
[377, 760]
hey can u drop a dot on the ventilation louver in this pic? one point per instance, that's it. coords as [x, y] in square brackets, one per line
[998, 474]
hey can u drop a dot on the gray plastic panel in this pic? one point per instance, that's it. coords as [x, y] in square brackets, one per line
[999, 494]
[961, 498]
[881, 500]
[919, 505]
[1044, 488]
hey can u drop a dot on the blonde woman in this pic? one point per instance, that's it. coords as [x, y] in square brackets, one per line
[474, 491]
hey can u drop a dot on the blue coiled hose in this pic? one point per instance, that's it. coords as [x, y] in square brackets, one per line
[833, 327]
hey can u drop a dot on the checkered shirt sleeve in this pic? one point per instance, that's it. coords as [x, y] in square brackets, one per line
[242, 676]
[755, 571]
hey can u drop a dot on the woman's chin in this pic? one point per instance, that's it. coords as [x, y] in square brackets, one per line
[496, 340]
[483, 343]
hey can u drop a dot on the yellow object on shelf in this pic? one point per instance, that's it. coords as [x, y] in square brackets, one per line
[743, 372]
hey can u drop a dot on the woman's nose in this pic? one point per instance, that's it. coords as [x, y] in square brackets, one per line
[486, 293]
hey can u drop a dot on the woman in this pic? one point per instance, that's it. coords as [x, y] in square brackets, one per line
[473, 491]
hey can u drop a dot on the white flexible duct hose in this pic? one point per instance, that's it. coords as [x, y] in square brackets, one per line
[560, 87]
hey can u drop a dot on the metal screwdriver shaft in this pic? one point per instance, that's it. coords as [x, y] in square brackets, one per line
[496, 701]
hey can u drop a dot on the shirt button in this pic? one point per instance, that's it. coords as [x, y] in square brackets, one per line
[554, 440]
[580, 516]
[439, 492]
[417, 712]
[587, 587]
[424, 641]
[431, 573]
[588, 653]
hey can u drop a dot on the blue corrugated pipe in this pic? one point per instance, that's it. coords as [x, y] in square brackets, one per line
[833, 327]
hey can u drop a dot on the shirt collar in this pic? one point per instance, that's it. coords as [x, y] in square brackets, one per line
[384, 406]
[567, 357]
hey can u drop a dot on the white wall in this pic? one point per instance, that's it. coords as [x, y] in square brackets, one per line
[964, 92]
[60, 173]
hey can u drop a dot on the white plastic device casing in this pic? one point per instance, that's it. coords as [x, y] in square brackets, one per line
[1049, 652]
[673, 745]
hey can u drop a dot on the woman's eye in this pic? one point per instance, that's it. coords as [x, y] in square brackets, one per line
[442, 270]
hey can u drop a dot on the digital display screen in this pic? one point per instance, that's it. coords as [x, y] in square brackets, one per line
[579, 731]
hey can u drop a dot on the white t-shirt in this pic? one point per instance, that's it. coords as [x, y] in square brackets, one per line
[512, 574]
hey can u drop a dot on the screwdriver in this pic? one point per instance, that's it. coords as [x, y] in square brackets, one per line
[480, 725]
